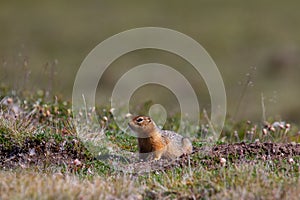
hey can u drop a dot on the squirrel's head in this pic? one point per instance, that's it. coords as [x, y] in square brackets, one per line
[143, 126]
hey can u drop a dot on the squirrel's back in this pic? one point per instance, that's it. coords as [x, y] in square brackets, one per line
[177, 146]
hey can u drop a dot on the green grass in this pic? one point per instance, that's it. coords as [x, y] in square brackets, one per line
[61, 166]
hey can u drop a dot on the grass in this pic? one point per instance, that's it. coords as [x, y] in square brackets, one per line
[32, 185]
[262, 180]
[42, 158]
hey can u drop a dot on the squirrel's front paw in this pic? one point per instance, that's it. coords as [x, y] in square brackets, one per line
[157, 157]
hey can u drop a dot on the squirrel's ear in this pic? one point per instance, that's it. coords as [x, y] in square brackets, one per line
[149, 119]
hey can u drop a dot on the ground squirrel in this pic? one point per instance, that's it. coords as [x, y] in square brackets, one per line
[162, 143]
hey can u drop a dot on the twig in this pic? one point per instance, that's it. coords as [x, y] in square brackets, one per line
[263, 107]
[86, 109]
[209, 122]
[248, 82]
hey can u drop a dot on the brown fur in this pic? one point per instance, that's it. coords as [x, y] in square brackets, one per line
[151, 139]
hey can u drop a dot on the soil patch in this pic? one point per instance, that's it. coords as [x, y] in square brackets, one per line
[53, 153]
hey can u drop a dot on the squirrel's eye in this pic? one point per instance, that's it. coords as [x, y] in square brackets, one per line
[139, 119]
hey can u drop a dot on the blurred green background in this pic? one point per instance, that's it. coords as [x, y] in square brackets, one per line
[255, 44]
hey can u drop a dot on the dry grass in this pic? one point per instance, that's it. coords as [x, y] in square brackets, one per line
[247, 181]
[31, 185]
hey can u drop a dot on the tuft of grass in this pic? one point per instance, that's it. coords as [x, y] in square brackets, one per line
[32, 185]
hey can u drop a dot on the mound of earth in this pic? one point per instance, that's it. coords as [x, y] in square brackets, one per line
[35, 152]
[210, 156]
[260, 150]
